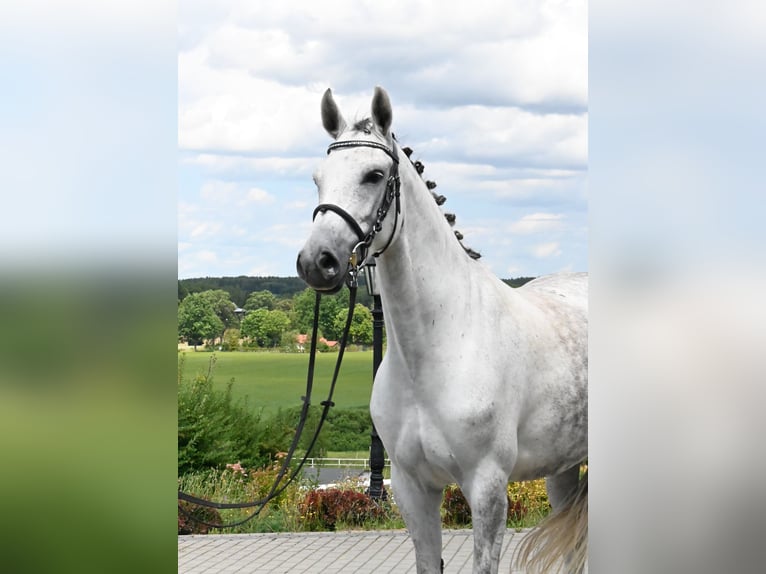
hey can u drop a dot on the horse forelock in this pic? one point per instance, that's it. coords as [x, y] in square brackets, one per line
[365, 125]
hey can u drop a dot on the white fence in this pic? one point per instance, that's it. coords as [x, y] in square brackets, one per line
[341, 463]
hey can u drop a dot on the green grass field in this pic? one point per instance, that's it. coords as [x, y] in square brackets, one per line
[274, 380]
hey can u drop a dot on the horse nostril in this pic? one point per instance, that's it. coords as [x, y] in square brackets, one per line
[328, 263]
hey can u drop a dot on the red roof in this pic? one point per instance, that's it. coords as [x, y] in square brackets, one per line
[302, 339]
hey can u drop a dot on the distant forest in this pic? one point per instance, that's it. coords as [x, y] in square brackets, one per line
[240, 287]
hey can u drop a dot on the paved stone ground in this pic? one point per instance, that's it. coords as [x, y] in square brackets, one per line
[381, 552]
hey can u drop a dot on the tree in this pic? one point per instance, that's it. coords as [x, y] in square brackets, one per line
[265, 327]
[182, 291]
[197, 319]
[303, 310]
[329, 306]
[329, 309]
[260, 300]
[222, 305]
[360, 332]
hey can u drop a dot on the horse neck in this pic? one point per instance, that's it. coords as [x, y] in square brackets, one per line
[425, 265]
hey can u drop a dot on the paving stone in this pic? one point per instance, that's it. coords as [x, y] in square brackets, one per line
[326, 552]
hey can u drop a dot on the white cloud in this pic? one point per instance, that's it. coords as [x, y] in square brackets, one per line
[207, 256]
[537, 223]
[286, 235]
[297, 205]
[254, 82]
[257, 195]
[219, 191]
[205, 229]
[226, 163]
[223, 194]
[544, 250]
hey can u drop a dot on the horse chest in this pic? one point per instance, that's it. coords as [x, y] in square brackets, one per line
[422, 446]
[433, 436]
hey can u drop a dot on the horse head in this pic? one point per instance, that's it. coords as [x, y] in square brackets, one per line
[357, 183]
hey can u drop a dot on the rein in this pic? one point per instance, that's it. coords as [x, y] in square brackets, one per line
[276, 489]
[391, 194]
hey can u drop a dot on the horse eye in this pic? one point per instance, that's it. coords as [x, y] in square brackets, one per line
[373, 177]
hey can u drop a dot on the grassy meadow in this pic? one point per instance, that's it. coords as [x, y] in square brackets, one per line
[274, 380]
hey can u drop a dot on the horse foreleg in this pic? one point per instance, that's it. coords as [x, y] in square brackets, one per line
[487, 495]
[419, 505]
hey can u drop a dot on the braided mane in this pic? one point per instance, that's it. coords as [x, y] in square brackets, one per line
[367, 126]
[440, 199]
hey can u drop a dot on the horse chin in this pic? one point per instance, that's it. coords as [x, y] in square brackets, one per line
[330, 290]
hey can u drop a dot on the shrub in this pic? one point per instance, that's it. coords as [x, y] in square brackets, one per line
[212, 428]
[190, 514]
[344, 430]
[327, 509]
[231, 340]
[527, 499]
[348, 429]
[455, 508]
[527, 504]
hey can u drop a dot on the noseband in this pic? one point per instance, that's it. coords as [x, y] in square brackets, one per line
[359, 252]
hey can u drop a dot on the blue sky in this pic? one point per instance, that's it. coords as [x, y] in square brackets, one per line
[492, 96]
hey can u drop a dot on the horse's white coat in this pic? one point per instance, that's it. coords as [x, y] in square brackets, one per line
[480, 382]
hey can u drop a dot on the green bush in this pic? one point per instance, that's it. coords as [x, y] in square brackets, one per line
[213, 430]
[348, 429]
[344, 429]
[231, 340]
[282, 426]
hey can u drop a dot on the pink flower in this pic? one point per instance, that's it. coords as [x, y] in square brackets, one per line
[236, 468]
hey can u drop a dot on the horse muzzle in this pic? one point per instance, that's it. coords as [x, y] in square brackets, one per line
[322, 270]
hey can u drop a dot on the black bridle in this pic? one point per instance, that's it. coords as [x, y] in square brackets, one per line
[391, 195]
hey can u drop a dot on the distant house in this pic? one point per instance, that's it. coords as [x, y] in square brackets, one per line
[301, 340]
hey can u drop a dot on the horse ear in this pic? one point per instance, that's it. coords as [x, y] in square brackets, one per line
[381, 110]
[332, 121]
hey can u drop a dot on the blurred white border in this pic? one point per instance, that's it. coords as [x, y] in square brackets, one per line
[678, 324]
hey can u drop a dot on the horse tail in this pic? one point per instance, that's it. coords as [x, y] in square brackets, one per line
[560, 542]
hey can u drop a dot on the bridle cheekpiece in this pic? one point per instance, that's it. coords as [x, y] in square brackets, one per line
[391, 195]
